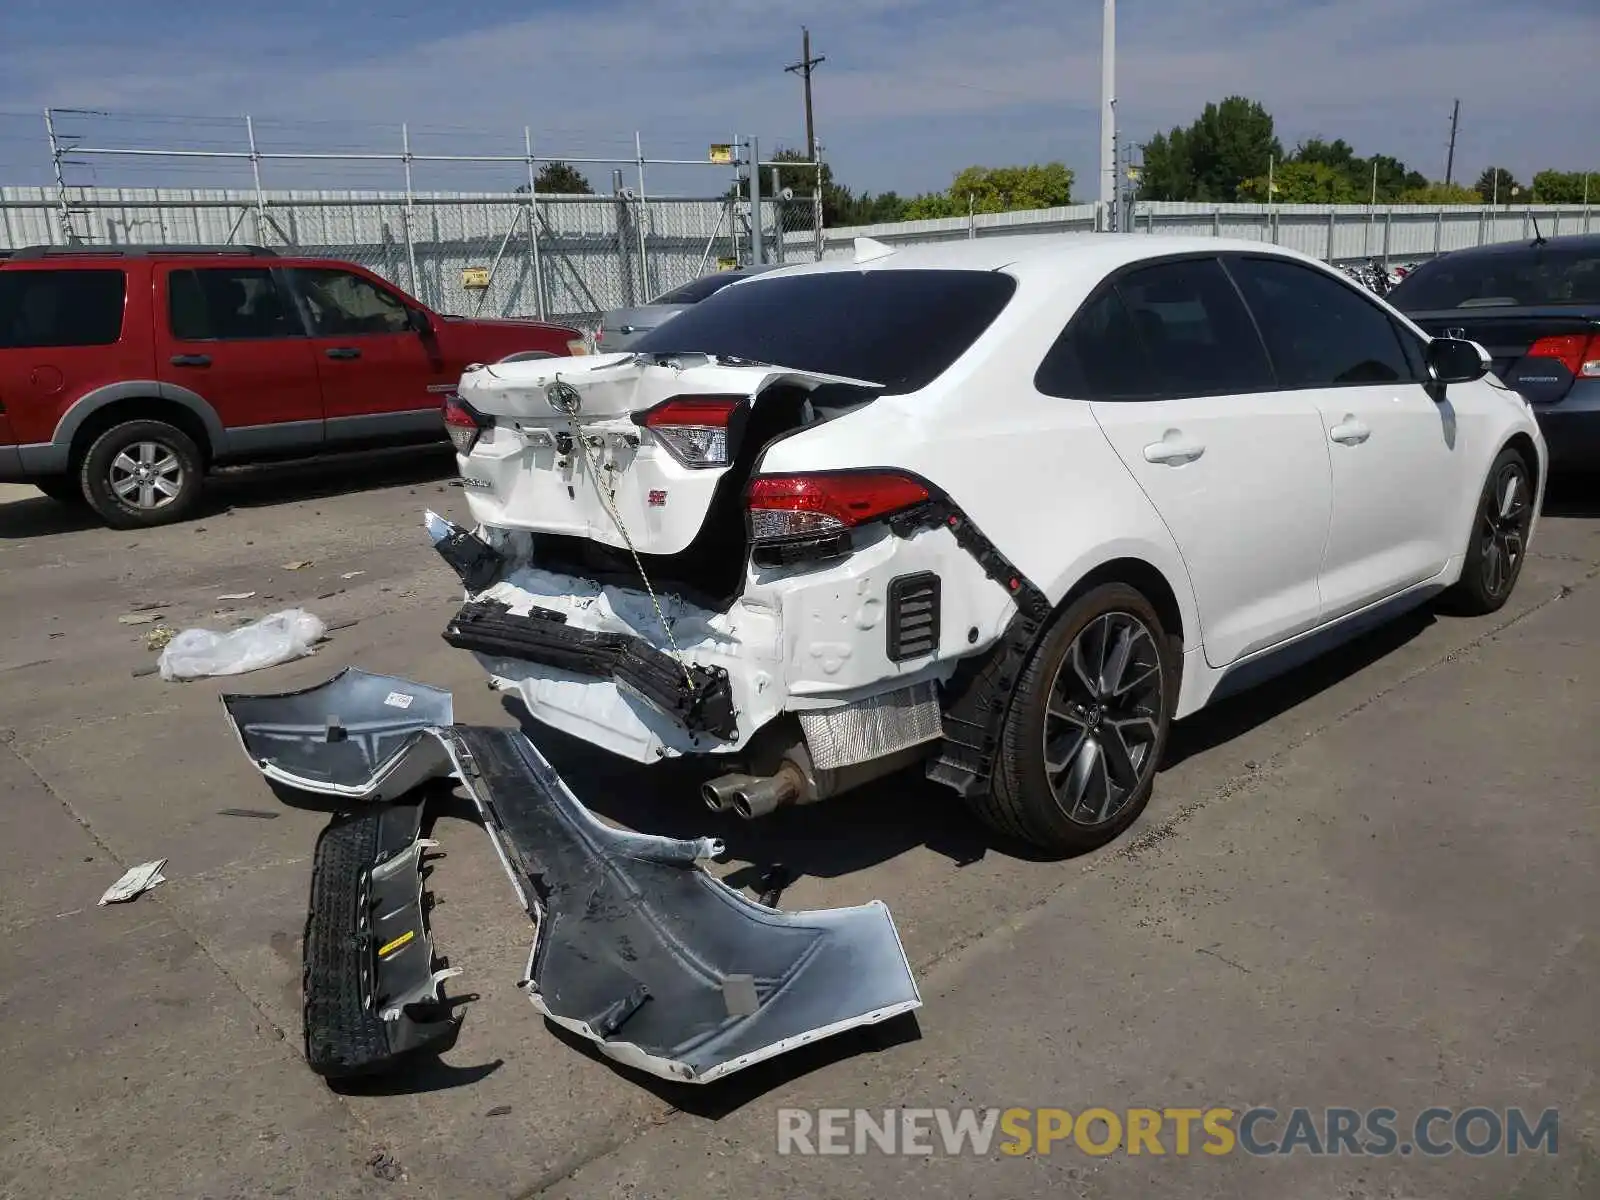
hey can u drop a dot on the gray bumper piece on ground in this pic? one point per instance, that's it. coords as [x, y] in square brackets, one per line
[638, 949]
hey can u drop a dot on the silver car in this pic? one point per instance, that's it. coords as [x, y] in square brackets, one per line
[621, 327]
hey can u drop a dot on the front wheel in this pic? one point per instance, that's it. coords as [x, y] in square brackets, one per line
[1500, 527]
[1087, 726]
[142, 473]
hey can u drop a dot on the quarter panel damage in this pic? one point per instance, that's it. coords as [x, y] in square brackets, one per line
[637, 947]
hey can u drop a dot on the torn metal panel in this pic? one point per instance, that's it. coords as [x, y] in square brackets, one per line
[663, 967]
[372, 990]
[358, 736]
[637, 948]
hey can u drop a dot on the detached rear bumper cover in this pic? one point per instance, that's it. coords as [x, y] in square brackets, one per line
[638, 949]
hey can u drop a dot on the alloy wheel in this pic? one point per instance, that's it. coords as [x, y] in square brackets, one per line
[146, 475]
[1103, 718]
[1503, 527]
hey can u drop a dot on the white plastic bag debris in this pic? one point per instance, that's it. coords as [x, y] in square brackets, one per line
[134, 881]
[278, 638]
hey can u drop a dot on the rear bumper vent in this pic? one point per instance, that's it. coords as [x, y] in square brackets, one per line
[913, 616]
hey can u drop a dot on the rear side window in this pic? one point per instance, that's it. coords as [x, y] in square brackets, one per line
[697, 290]
[1164, 331]
[1320, 332]
[229, 304]
[898, 328]
[61, 308]
[1536, 275]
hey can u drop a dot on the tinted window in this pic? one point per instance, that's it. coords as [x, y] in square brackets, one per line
[1171, 329]
[60, 308]
[343, 303]
[1099, 356]
[1504, 278]
[1320, 332]
[229, 303]
[898, 328]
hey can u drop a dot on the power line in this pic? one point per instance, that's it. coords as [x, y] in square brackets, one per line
[803, 68]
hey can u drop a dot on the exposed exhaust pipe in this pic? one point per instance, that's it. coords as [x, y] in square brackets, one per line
[761, 797]
[719, 793]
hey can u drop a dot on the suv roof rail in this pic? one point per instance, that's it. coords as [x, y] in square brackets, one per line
[124, 251]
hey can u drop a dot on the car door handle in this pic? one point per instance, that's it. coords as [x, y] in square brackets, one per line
[342, 352]
[1350, 432]
[191, 360]
[1173, 454]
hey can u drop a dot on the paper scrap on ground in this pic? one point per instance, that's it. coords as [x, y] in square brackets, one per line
[351, 574]
[134, 881]
[298, 564]
[236, 596]
[278, 638]
[138, 618]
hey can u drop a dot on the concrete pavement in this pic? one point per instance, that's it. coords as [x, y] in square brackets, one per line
[1372, 884]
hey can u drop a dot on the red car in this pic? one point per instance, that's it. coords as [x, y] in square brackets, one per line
[126, 373]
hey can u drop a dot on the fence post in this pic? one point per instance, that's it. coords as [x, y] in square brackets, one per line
[1333, 216]
[1438, 231]
[406, 214]
[1388, 229]
[630, 294]
[533, 225]
[63, 214]
[779, 206]
[816, 207]
[643, 218]
[1483, 221]
[255, 171]
[758, 248]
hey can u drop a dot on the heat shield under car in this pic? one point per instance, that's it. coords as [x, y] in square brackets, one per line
[637, 947]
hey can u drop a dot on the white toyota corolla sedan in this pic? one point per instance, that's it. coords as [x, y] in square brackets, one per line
[1000, 510]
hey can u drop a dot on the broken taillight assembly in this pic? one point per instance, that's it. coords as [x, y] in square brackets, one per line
[695, 430]
[1578, 352]
[795, 518]
[464, 424]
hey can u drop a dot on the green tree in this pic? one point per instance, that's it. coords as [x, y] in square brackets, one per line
[994, 190]
[1228, 143]
[1440, 193]
[1495, 185]
[1302, 183]
[1565, 187]
[559, 179]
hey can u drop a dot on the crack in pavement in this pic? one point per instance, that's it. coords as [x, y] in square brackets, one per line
[943, 962]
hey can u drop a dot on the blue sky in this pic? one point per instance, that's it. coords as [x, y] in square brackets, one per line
[912, 91]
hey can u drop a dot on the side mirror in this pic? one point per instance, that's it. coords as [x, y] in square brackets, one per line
[418, 321]
[1456, 360]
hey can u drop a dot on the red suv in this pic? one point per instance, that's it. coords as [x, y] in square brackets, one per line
[127, 373]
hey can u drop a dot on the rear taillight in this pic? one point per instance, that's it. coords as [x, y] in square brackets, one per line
[464, 424]
[694, 429]
[817, 505]
[1578, 352]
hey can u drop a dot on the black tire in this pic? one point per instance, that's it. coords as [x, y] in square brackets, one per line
[1499, 540]
[63, 489]
[1021, 801]
[174, 461]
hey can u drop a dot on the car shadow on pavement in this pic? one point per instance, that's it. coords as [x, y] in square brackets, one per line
[1237, 715]
[258, 486]
[1573, 495]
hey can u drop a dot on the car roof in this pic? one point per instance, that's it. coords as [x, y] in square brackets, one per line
[1580, 242]
[1097, 253]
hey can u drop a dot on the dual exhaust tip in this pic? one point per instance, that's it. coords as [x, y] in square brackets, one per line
[751, 796]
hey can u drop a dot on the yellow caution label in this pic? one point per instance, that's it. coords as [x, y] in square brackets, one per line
[402, 940]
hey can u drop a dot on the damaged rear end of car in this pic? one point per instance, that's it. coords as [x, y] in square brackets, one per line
[641, 582]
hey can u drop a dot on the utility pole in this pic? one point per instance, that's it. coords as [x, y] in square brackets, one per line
[1108, 105]
[803, 69]
[1450, 161]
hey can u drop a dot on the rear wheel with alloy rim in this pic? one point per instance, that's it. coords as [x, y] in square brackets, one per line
[1500, 529]
[1087, 725]
[142, 473]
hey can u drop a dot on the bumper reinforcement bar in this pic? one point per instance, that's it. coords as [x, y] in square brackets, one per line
[701, 703]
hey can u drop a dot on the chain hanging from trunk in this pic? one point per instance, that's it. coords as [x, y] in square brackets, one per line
[564, 399]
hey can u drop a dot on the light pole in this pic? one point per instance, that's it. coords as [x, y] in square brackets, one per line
[1108, 102]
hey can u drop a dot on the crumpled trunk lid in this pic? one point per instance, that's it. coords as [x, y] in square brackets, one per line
[569, 453]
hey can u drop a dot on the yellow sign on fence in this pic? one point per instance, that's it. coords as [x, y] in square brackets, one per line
[727, 264]
[721, 152]
[475, 278]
